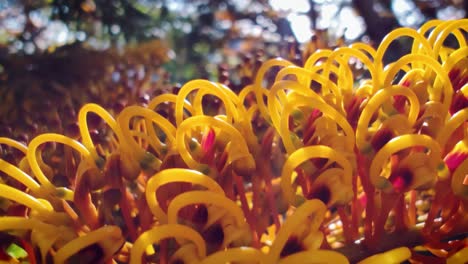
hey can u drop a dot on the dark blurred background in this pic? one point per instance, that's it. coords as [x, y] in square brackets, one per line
[56, 55]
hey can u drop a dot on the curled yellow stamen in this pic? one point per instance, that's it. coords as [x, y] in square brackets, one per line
[303, 154]
[395, 145]
[241, 254]
[176, 175]
[159, 233]
[308, 208]
[315, 257]
[397, 255]
[108, 238]
[205, 197]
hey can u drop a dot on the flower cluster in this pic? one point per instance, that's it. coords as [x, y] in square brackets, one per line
[311, 164]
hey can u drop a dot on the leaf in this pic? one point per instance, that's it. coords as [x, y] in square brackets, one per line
[16, 251]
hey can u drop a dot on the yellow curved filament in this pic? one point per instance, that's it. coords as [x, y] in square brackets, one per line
[13, 143]
[238, 148]
[102, 236]
[451, 125]
[395, 145]
[175, 175]
[159, 233]
[436, 94]
[19, 223]
[258, 82]
[172, 98]
[397, 33]
[203, 197]
[438, 38]
[378, 99]
[458, 186]
[23, 198]
[274, 107]
[327, 110]
[19, 175]
[303, 154]
[315, 257]
[214, 89]
[83, 125]
[393, 256]
[241, 254]
[315, 57]
[364, 47]
[311, 207]
[132, 111]
[460, 257]
[51, 137]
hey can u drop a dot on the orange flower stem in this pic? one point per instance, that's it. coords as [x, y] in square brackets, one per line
[30, 250]
[245, 208]
[126, 211]
[346, 224]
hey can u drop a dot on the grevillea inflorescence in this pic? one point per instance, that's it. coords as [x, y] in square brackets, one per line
[315, 164]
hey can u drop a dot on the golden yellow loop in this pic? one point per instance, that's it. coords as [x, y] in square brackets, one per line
[377, 100]
[238, 149]
[84, 130]
[211, 88]
[241, 254]
[159, 233]
[109, 238]
[258, 82]
[458, 119]
[436, 93]
[311, 208]
[397, 255]
[203, 197]
[327, 110]
[315, 257]
[397, 144]
[306, 153]
[175, 175]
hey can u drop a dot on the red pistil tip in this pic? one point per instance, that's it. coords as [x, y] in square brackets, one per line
[401, 179]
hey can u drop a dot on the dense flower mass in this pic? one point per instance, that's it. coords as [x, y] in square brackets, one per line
[305, 164]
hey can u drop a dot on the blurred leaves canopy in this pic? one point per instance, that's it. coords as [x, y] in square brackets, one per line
[198, 30]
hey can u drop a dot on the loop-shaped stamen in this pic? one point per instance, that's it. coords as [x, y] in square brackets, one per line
[169, 98]
[51, 137]
[315, 257]
[442, 31]
[133, 111]
[159, 233]
[175, 175]
[19, 175]
[377, 100]
[459, 180]
[23, 198]
[397, 144]
[327, 110]
[258, 83]
[436, 92]
[84, 130]
[237, 147]
[13, 143]
[313, 210]
[203, 197]
[240, 254]
[419, 41]
[450, 126]
[274, 107]
[397, 255]
[303, 154]
[106, 241]
[211, 88]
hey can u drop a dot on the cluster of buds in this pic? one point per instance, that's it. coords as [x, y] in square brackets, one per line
[313, 164]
